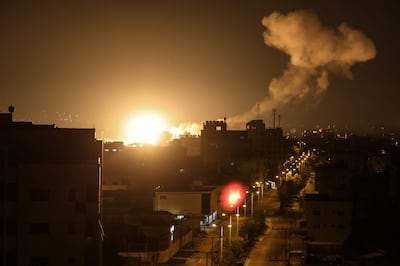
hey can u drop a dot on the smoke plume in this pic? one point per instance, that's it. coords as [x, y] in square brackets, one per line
[315, 52]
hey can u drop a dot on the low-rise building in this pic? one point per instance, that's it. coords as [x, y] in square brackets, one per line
[198, 203]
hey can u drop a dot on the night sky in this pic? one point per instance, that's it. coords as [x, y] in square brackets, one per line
[94, 63]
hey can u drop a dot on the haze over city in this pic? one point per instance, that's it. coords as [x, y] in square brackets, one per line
[99, 64]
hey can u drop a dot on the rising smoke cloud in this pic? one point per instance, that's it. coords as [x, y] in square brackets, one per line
[315, 51]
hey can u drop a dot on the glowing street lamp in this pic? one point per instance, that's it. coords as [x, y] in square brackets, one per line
[230, 230]
[232, 197]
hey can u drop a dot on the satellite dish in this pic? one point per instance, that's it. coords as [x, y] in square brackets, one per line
[11, 109]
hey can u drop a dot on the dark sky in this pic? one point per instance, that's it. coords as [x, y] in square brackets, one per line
[85, 64]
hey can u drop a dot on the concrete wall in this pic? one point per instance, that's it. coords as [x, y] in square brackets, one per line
[164, 256]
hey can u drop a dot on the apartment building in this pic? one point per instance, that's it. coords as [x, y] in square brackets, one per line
[50, 195]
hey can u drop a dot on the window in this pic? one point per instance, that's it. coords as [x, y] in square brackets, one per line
[205, 203]
[12, 192]
[11, 226]
[39, 228]
[340, 226]
[39, 194]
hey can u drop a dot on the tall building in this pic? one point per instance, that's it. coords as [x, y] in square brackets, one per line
[50, 195]
[222, 150]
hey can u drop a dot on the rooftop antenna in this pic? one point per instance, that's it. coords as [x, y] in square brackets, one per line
[11, 109]
[279, 120]
[274, 114]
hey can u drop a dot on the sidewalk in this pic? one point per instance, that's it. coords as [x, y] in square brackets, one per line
[199, 252]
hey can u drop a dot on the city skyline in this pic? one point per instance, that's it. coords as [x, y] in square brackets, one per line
[96, 65]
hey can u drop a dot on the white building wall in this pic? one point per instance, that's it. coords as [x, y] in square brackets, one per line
[178, 202]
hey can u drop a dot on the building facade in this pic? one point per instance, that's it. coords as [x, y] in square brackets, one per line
[200, 202]
[50, 187]
[223, 150]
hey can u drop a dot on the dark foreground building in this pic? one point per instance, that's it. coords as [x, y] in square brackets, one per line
[50, 201]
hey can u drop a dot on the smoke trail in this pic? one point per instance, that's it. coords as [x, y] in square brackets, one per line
[315, 51]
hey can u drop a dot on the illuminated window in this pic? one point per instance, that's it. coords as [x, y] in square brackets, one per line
[171, 230]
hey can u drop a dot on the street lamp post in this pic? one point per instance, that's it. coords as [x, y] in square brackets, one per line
[245, 204]
[237, 222]
[212, 251]
[230, 230]
[232, 197]
[222, 244]
[262, 191]
[252, 203]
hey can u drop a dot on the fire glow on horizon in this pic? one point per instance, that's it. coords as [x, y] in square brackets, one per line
[151, 128]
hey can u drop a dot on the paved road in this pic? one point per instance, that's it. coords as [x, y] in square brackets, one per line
[273, 247]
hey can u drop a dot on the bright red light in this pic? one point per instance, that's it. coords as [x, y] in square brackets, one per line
[232, 196]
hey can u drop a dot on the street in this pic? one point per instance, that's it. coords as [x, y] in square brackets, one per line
[271, 249]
